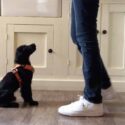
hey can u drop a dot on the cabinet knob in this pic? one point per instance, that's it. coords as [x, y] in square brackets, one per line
[50, 51]
[104, 32]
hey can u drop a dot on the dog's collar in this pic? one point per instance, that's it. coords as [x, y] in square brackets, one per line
[15, 72]
[27, 67]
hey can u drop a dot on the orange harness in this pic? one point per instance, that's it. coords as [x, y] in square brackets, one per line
[15, 72]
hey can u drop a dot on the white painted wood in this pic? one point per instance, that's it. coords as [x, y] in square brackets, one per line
[70, 84]
[112, 1]
[61, 38]
[3, 57]
[44, 8]
[113, 43]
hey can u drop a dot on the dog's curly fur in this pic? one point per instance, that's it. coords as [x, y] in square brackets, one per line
[9, 84]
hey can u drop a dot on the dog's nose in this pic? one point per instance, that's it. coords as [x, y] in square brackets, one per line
[33, 45]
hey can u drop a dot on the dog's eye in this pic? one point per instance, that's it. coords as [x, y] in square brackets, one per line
[24, 49]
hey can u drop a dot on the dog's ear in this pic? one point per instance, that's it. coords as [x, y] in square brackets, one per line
[21, 48]
[18, 57]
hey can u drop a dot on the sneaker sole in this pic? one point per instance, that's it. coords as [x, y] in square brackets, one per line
[91, 114]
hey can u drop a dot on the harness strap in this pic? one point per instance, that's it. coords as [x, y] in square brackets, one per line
[15, 72]
[29, 67]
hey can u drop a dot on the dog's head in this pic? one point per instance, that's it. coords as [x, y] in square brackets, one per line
[23, 53]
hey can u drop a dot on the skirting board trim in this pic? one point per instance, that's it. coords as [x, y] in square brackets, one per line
[57, 84]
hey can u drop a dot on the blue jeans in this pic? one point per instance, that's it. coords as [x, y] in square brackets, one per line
[84, 35]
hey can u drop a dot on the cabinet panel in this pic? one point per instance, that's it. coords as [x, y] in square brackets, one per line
[116, 42]
[113, 43]
[42, 36]
[3, 60]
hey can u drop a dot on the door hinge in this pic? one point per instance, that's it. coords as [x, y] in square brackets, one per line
[6, 37]
[68, 62]
[6, 61]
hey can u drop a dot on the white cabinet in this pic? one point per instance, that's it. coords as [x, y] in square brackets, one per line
[51, 38]
[62, 69]
[113, 38]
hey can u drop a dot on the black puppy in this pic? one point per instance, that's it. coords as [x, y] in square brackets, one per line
[19, 77]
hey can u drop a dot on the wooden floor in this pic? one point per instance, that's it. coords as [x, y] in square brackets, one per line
[46, 112]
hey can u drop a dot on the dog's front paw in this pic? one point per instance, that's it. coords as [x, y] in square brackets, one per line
[33, 103]
[24, 104]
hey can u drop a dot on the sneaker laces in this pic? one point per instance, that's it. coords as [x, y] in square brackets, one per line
[80, 99]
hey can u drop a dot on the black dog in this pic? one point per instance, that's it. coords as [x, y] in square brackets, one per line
[19, 77]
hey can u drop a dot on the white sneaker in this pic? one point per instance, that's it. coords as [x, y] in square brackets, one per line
[82, 107]
[108, 94]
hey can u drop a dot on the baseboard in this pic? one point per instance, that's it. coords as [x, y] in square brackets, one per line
[69, 84]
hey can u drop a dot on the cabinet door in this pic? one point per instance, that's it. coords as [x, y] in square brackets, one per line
[113, 38]
[42, 36]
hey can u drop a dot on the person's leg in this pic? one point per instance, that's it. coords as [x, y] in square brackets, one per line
[89, 104]
[107, 89]
[105, 80]
[83, 32]
[73, 29]
[85, 17]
